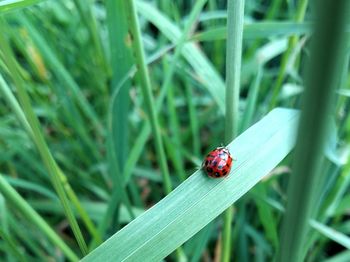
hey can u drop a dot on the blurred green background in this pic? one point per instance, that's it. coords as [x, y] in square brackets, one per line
[89, 142]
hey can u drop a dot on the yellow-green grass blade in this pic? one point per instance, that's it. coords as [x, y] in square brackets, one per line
[292, 43]
[200, 199]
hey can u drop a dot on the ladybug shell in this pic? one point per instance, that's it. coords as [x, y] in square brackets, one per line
[218, 163]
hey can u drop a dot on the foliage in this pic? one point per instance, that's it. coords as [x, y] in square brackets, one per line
[104, 111]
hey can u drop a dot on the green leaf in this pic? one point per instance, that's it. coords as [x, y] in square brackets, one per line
[200, 199]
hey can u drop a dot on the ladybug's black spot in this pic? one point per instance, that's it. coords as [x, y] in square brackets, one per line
[220, 166]
[214, 163]
[224, 173]
[209, 170]
[206, 162]
[217, 174]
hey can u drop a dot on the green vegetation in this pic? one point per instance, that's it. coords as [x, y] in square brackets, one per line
[108, 108]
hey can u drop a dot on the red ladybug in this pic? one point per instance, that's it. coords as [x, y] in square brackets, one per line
[218, 162]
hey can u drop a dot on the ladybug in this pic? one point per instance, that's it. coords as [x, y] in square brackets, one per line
[218, 162]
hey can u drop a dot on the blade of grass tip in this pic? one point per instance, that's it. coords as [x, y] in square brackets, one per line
[197, 8]
[293, 40]
[21, 116]
[318, 98]
[12, 5]
[57, 179]
[193, 204]
[235, 19]
[146, 89]
[31, 215]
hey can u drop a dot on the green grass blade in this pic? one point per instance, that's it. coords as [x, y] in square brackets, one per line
[194, 203]
[12, 5]
[235, 10]
[12, 247]
[233, 69]
[34, 217]
[193, 119]
[194, 56]
[250, 109]
[146, 129]
[118, 125]
[318, 101]
[146, 89]
[11, 243]
[85, 11]
[11, 99]
[257, 30]
[336, 236]
[121, 63]
[293, 41]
